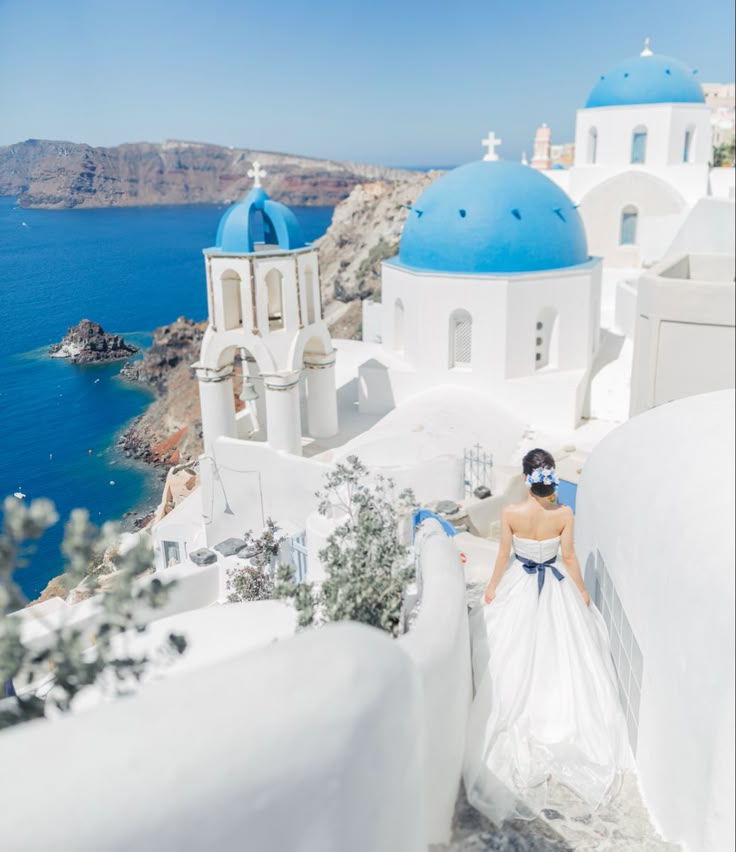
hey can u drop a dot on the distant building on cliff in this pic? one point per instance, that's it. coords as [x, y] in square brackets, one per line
[548, 156]
[721, 98]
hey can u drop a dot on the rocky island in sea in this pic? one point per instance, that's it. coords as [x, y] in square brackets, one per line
[88, 343]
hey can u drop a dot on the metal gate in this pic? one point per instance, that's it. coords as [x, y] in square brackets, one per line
[478, 469]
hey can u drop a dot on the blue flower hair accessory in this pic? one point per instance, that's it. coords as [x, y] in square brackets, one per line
[542, 476]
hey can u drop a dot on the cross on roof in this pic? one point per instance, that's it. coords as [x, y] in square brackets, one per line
[257, 173]
[647, 50]
[491, 143]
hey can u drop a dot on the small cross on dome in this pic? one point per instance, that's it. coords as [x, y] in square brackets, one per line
[647, 50]
[257, 173]
[491, 143]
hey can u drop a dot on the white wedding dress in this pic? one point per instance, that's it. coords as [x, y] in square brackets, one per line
[546, 704]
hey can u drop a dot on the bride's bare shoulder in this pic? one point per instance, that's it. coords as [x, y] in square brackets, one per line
[512, 509]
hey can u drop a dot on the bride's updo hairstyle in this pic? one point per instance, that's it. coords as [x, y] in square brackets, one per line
[534, 460]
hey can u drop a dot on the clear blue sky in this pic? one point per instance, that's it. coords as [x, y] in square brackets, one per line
[395, 82]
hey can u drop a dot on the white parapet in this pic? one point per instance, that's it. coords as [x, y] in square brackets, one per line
[309, 745]
[439, 646]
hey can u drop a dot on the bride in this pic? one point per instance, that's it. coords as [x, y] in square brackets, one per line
[546, 705]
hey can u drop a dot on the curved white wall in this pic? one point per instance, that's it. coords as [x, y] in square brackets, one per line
[660, 211]
[655, 505]
[439, 646]
[309, 745]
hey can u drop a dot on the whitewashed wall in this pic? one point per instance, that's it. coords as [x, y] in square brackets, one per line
[655, 507]
[505, 311]
[309, 745]
[439, 646]
[708, 229]
[685, 333]
[666, 125]
[660, 207]
[722, 183]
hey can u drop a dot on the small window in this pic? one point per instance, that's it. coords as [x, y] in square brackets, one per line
[546, 343]
[461, 339]
[172, 553]
[629, 220]
[687, 148]
[592, 145]
[275, 295]
[639, 145]
[311, 296]
[399, 325]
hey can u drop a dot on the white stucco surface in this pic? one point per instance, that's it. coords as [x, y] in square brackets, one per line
[528, 339]
[309, 745]
[655, 507]
[685, 334]
[439, 646]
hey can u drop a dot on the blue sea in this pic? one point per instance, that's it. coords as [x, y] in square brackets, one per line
[129, 269]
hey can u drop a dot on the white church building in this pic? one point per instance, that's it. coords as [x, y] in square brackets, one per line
[662, 219]
[494, 290]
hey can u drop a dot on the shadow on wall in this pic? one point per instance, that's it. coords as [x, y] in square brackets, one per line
[609, 349]
[376, 395]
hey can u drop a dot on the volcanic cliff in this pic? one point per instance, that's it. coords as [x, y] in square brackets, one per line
[50, 174]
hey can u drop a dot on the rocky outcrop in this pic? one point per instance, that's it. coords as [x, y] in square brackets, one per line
[170, 430]
[88, 343]
[49, 174]
[365, 230]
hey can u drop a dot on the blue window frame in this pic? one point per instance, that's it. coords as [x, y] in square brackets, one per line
[686, 148]
[639, 146]
[629, 220]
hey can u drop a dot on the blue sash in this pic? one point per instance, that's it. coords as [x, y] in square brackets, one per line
[540, 569]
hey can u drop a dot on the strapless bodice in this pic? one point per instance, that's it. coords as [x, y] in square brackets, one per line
[536, 551]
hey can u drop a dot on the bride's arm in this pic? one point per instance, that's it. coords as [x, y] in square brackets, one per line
[567, 551]
[504, 551]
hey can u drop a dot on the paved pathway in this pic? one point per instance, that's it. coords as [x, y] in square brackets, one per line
[621, 826]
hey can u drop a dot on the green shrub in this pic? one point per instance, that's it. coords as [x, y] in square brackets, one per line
[73, 660]
[367, 566]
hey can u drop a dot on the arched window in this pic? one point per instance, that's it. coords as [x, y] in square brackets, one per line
[546, 339]
[639, 145]
[274, 287]
[629, 221]
[310, 294]
[592, 145]
[687, 148]
[461, 339]
[399, 325]
[231, 305]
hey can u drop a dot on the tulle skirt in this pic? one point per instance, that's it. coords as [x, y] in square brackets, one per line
[546, 706]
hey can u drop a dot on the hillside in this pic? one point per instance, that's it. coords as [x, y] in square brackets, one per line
[63, 175]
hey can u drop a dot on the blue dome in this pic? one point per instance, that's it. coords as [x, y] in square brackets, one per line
[493, 218]
[257, 219]
[652, 79]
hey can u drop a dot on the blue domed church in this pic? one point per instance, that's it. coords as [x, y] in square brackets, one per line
[493, 288]
[643, 143]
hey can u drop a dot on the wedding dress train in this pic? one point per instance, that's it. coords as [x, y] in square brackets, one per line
[546, 705]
